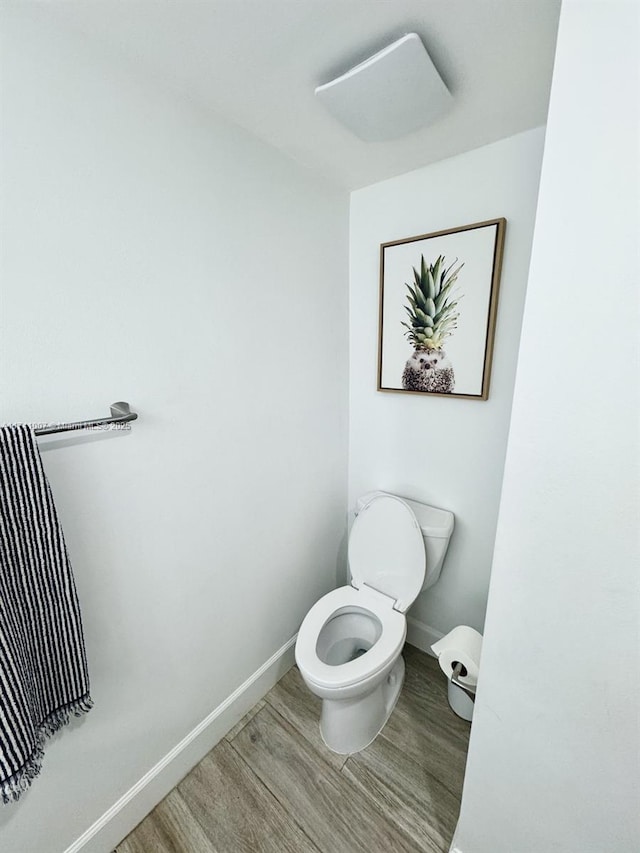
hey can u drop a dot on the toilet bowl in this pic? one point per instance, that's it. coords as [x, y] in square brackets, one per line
[348, 647]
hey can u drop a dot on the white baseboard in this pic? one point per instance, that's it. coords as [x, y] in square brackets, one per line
[454, 842]
[125, 814]
[422, 636]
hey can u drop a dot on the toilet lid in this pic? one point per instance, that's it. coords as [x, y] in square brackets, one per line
[386, 550]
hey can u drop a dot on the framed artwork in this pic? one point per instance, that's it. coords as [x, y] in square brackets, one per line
[438, 305]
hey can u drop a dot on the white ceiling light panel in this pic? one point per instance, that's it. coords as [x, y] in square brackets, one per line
[395, 92]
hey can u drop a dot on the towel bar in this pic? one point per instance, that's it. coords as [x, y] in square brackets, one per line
[120, 414]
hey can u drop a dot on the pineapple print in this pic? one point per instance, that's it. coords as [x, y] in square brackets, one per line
[432, 318]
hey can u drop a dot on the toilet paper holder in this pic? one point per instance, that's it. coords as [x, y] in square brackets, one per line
[460, 670]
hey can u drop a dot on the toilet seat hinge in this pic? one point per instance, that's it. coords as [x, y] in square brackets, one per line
[370, 590]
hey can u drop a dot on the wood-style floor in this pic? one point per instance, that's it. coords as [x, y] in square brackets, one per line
[272, 785]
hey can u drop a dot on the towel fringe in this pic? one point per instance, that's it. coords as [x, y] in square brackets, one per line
[14, 786]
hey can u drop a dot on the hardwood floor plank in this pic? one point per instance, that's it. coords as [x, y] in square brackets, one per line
[243, 722]
[427, 746]
[334, 813]
[404, 791]
[235, 810]
[170, 828]
[426, 685]
[293, 700]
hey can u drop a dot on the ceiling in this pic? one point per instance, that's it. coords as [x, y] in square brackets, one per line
[257, 62]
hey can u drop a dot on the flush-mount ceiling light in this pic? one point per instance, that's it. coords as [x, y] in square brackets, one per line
[390, 94]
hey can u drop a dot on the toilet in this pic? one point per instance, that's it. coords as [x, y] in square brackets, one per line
[348, 647]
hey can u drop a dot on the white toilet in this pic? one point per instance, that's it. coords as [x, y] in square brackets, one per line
[349, 644]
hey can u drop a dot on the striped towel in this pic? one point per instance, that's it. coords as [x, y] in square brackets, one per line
[43, 667]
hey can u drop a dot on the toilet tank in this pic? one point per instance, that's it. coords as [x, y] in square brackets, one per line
[437, 527]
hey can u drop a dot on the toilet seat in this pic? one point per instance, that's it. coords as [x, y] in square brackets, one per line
[389, 644]
[386, 550]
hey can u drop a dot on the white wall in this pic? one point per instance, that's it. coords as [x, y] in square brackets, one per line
[448, 452]
[159, 256]
[554, 754]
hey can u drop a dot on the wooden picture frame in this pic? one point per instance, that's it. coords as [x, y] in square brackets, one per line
[440, 290]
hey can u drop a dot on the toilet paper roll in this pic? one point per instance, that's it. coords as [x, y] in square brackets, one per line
[463, 644]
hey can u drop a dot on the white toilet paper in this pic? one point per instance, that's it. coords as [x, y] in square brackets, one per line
[463, 644]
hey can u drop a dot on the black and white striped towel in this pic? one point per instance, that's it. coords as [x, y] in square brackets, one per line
[43, 667]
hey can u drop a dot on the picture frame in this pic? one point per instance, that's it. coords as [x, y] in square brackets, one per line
[440, 290]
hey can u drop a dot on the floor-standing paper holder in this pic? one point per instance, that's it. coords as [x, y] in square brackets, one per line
[461, 696]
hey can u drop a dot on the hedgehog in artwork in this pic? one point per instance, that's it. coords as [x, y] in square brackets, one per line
[428, 370]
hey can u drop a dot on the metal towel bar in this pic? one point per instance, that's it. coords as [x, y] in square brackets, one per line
[120, 413]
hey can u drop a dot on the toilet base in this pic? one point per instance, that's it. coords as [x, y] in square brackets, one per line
[349, 725]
